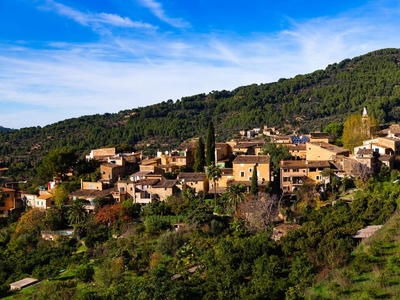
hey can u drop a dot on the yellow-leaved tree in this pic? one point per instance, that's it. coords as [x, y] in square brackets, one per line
[357, 128]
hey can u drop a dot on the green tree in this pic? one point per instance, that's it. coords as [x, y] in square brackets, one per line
[210, 144]
[199, 157]
[358, 128]
[254, 182]
[335, 131]
[58, 162]
[214, 173]
[60, 195]
[277, 153]
[235, 195]
[77, 212]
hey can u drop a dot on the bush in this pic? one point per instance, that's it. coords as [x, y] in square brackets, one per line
[85, 273]
[169, 242]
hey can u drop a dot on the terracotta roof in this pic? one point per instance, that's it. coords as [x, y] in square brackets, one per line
[166, 183]
[93, 193]
[298, 147]
[5, 189]
[365, 151]
[319, 135]
[330, 147]
[252, 159]
[185, 146]
[227, 171]
[249, 144]
[385, 157]
[148, 181]
[45, 197]
[302, 164]
[192, 176]
[110, 165]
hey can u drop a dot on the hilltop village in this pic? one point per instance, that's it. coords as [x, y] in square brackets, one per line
[295, 200]
[313, 161]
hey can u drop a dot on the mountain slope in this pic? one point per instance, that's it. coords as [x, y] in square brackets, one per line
[305, 103]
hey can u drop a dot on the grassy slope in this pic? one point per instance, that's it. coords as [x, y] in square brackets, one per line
[374, 270]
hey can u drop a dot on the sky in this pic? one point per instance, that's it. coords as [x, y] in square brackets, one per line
[62, 59]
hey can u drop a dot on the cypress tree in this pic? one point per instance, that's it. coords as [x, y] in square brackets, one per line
[210, 144]
[254, 182]
[199, 157]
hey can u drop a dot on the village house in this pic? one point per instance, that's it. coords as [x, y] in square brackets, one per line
[196, 181]
[163, 189]
[11, 201]
[243, 167]
[324, 151]
[294, 173]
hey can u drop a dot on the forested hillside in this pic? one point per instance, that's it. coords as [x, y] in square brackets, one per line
[305, 103]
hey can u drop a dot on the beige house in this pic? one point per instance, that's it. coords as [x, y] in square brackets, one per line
[298, 151]
[111, 173]
[196, 181]
[163, 189]
[324, 151]
[243, 167]
[294, 173]
[11, 202]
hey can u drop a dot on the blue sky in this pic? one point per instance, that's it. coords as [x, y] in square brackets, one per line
[66, 58]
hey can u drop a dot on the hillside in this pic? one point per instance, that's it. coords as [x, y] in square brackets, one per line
[305, 103]
[373, 272]
[2, 129]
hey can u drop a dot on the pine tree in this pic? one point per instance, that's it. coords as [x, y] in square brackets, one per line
[210, 144]
[199, 157]
[254, 182]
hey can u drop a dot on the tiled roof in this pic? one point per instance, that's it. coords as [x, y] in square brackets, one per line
[319, 135]
[252, 159]
[293, 147]
[305, 164]
[150, 182]
[93, 193]
[192, 176]
[365, 151]
[329, 147]
[165, 183]
[227, 171]
[185, 146]
[110, 165]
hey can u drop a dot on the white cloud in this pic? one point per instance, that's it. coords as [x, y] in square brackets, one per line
[156, 8]
[95, 19]
[118, 73]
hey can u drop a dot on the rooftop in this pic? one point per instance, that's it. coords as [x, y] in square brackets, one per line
[329, 147]
[192, 176]
[252, 159]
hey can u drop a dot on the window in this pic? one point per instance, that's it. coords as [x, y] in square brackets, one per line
[91, 186]
[295, 170]
[313, 169]
[317, 177]
[249, 178]
[250, 170]
[242, 174]
[285, 170]
[286, 179]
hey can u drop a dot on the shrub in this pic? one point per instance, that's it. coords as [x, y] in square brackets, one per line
[85, 273]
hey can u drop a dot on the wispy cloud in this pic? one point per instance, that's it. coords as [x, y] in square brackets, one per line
[94, 19]
[156, 8]
[122, 72]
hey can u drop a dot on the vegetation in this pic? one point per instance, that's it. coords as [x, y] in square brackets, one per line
[223, 250]
[303, 103]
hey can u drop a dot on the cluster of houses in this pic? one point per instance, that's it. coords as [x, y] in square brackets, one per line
[142, 179]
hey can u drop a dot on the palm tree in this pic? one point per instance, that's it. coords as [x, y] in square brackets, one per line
[214, 173]
[236, 195]
[77, 212]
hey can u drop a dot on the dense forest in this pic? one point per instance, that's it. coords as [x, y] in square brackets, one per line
[303, 103]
